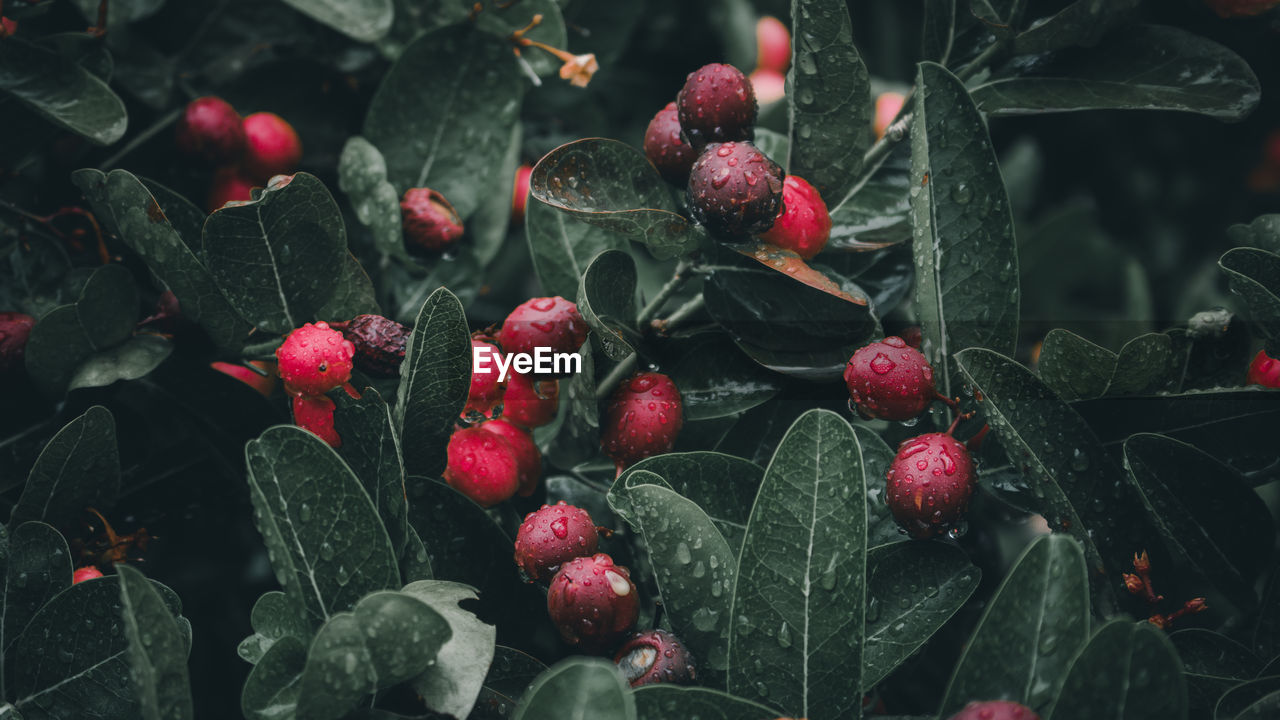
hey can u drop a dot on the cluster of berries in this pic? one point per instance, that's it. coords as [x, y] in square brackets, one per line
[592, 601]
[246, 152]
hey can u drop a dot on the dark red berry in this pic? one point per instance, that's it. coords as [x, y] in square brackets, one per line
[995, 710]
[429, 221]
[547, 322]
[15, 328]
[315, 414]
[520, 194]
[486, 389]
[379, 342]
[210, 129]
[1264, 370]
[530, 402]
[913, 335]
[929, 484]
[716, 104]
[735, 190]
[1241, 8]
[670, 154]
[655, 657]
[551, 536]
[314, 359]
[229, 185]
[483, 466]
[527, 456]
[803, 225]
[272, 146]
[88, 572]
[593, 602]
[890, 380]
[643, 418]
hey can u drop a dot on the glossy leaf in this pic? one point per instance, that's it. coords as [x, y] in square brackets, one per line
[57, 345]
[133, 359]
[1262, 233]
[577, 424]
[1030, 631]
[732, 385]
[723, 486]
[450, 686]
[607, 301]
[1265, 707]
[37, 566]
[799, 602]
[562, 246]
[878, 213]
[272, 688]
[489, 224]
[371, 448]
[1254, 275]
[157, 653]
[78, 468]
[967, 279]
[1083, 22]
[435, 378]
[61, 91]
[353, 292]
[1144, 365]
[1244, 696]
[181, 213]
[362, 175]
[663, 702]
[364, 20]
[939, 33]
[1213, 664]
[578, 688]
[790, 264]
[275, 616]
[509, 676]
[108, 306]
[1073, 367]
[1128, 671]
[882, 529]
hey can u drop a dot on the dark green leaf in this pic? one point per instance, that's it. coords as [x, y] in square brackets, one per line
[61, 91]
[500, 19]
[274, 258]
[939, 30]
[489, 224]
[78, 468]
[362, 175]
[157, 652]
[1144, 365]
[1255, 276]
[1266, 707]
[799, 602]
[1030, 631]
[37, 566]
[327, 543]
[967, 284]
[137, 357]
[415, 562]
[665, 702]
[1243, 696]
[55, 349]
[275, 617]
[511, 672]
[1083, 22]
[435, 378]
[579, 688]
[734, 22]
[271, 691]
[371, 449]
[878, 213]
[562, 246]
[607, 301]
[1263, 233]
[1128, 671]
[120, 12]
[882, 529]
[108, 306]
[353, 293]
[450, 686]
[1073, 367]
[181, 213]
[730, 386]
[1213, 664]
[364, 20]
[723, 486]
[1266, 630]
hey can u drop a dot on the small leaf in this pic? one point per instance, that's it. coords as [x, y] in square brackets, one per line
[1128, 671]
[56, 347]
[1144, 365]
[157, 652]
[664, 702]
[607, 301]
[363, 20]
[108, 306]
[435, 378]
[562, 246]
[371, 448]
[1263, 233]
[578, 688]
[1073, 367]
[723, 486]
[450, 686]
[61, 91]
[37, 566]
[78, 468]
[362, 175]
[275, 616]
[1083, 22]
[134, 359]
[882, 529]
[1213, 664]
[271, 690]
[353, 292]
[1254, 275]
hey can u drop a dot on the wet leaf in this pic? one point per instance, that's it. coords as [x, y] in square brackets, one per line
[435, 378]
[272, 687]
[363, 20]
[134, 359]
[663, 702]
[1145, 364]
[1083, 22]
[793, 266]
[362, 175]
[723, 486]
[509, 676]
[577, 425]
[36, 566]
[452, 683]
[1213, 664]
[562, 246]
[1254, 275]
[55, 349]
[730, 386]
[78, 468]
[353, 293]
[275, 616]
[878, 213]
[371, 448]
[61, 91]
[108, 306]
[488, 225]
[500, 19]
[1262, 233]
[607, 300]
[157, 653]
[1074, 367]
[882, 529]
[1128, 671]
[578, 687]
[1242, 698]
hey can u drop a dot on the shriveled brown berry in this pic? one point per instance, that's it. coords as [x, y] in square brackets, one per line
[380, 343]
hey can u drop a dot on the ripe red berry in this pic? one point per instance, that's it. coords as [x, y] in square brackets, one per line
[1241, 8]
[643, 418]
[379, 343]
[265, 384]
[716, 105]
[315, 414]
[483, 466]
[229, 185]
[528, 458]
[803, 225]
[593, 602]
[735, 190]
[888, 105]
[995, 710]
[655, 657]
[314, 359]
[773, 44]
[8, 27]
[210, 129]
[272, 146]
[15, 328]
[551, 536]
[87, 572]
[889, 380]
[929, 484]
[770, 86]
[1264, 370]
[520, 194]
[429, 221]
[546, 322]
[486, 390]
[530, 402]
[670, 154]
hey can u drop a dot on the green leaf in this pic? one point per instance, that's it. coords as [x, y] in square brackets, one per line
[363, 20]
[56, 347]
[900, 620]
[882, 529]
[1262, 233]
[829, 92]
[272, 688]
[723, 486]
[799, 602]
[489, 224]
[435, 378]
[1144, 365]
[371, 448]
[1265, 707]
[1254, 275]
[275, 616]
[663, 702]
[939, 30]
[387, 638]
[562, 246]
[444, 114]
[967, 286]
[511, 672]
[37, 566]
[732, 385]
[878, 213]
[1083, 22]
[1128, 671]
[78, 468]
[157, 652]
[1148, 67]
[61, 91]
[1030, 631]
[415, 561]
[274, 257]
[1266, 629]
[1213, 664]
[500, 19]
[136, 358]
[181, 213]
[1215, 523]
[579, 688]
[108, 306]
[1073, 367]
[452, 684]
[353, 293]
[734, 24]
[362, 175]
[1241, 698]
[613, 186]
[607, 301]
[327, 543]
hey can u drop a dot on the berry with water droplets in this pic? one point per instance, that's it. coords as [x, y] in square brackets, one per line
[593, 602]
[803, 225]
[644, 417]
[379, 343]
[773, 44]
[716, 104]
[527, 455]
[87, 572]
[529, 401]
[272, 146]
[929, 484]
[314, 413]
[430, 223]
[210, 129]
[1241, 8]
[546, 322]
[664, 147]
[314, 359]
[1264, 370]
[995, 710]
[735, 190]
[229, 185]
[551, 536]
[486, 389]
[15, 329]
[890, 380]
[483, 466]
[656, 657]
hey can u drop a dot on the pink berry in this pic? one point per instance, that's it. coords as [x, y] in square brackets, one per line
[315, 359]
[593, 602]
[664, 147]
[315, 414]
[716, 105]
[530, 402]
[773, 44]
[520, 194]
[210, 129]
[770, 86]
[656, 657]
[1264, 370]
[429, 221]
[929, 484]
[995, 710]
[272, 146]
[483, 466]
[486, 389]
[803, 225]
[890, 380]
[528, 458]
[15, 328]
[87, 572]
[546, 322]
[644, 417]
[551, 536]
[229, 185]
[888, 105]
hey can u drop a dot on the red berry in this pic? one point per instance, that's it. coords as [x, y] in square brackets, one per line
[593, 602]
[929, 484]
[229, 185]
[380, 343]
[210, 129]
[547, 322]
[272, 146]
[520, 194]
[430, 222]
[527, 455]
[315, 413]
[716, 105]
[314, 359]
[264, 384]
[551, 536]
[15, 328]
[670, 154]
[483, 466]
[1241, 8]
[804, 225]
[735, 190]
[486, 390]
[8, 27]
[655, 657]
[1264, 370]
[995, 710]
[770, 86]
[773, 44]
[530, 402]
[888, 105]
[87, 572]
[643, 418]
[913, 335]
[889, 380]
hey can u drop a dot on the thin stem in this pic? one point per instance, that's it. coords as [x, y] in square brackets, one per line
[615, 376]
[671, 288]
[980, 62]
[683, 313]
[156, 127]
